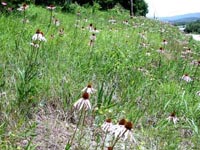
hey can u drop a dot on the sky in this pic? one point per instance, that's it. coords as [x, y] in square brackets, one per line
[166, 8]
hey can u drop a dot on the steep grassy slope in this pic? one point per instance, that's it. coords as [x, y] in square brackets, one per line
[137, 75]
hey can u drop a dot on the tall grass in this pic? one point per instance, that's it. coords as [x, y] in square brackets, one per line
[134, 81]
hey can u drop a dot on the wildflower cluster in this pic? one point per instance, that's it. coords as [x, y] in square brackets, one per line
[121, 130]
[82, 105]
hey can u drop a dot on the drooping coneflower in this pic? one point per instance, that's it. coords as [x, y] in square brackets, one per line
[107, 125]
[83, 103]
[160, 50]
[172, 117]
[186, 78]
[23, 7]
[89, 89]
[119, 129]
[61, 32]
[90, 27]
[164, 42]
[38, 36]
[4, 3]
[125, 22]
[51, 7]
[92, 39]
[128, 135]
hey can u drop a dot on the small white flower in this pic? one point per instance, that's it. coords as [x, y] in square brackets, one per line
[172, 117]
[83, 103]
[38, 36]
[164, 42]
[107, 125]
[160, 50]
[125, 22]
[129, 136]
[56, 22]
[4, 3]
[23, 7]
[89, 89]
[186, 78]
[93, 37]
[61, 31]
[51, 7]
[119, 129]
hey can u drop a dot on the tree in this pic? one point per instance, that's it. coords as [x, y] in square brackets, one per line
[131, 9]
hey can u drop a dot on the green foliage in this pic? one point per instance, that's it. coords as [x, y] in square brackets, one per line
[193, 27]
[133, 80]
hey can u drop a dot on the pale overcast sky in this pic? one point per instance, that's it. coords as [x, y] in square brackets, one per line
[165, 8]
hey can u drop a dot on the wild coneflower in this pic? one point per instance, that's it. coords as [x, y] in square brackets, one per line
[172, 117]
[38, 36]
[92, 39]
[83, 103]
[51, 7]
[164, 42]
[89, 89]
[186, 78]
[125, 22]
[119, 129]
[4, 3]
[128, 135]
[90, 27]
[23, 7]
[56, 22]
[160, 50]
[107, 125]
[61, 32]
[10, 9]
[95, 30]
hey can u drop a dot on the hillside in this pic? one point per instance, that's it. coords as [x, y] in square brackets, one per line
[70, 80]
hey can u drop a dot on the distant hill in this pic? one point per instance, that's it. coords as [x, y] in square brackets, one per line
[181, 18]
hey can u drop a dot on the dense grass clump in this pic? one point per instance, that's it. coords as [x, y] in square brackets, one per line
[141, 69]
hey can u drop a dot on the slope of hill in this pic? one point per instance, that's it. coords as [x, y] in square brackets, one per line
[144, 73]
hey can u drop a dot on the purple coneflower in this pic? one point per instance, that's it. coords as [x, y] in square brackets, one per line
[51, 7]
[186, 78]
[172, 117]
[128, 135]
[83, 102]
[4, 3]
[39, 36]
[107, 125]
[160, 50]
[89, 89]
[23, 7]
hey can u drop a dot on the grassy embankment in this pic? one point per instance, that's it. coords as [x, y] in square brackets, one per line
[133, 79]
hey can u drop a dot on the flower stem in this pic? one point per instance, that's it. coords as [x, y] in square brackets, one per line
[118, 137]
[79, 120]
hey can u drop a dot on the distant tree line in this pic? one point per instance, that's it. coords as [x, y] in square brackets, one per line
[140, 7]
[193, 27]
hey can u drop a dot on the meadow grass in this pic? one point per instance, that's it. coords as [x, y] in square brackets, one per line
[133, 79]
